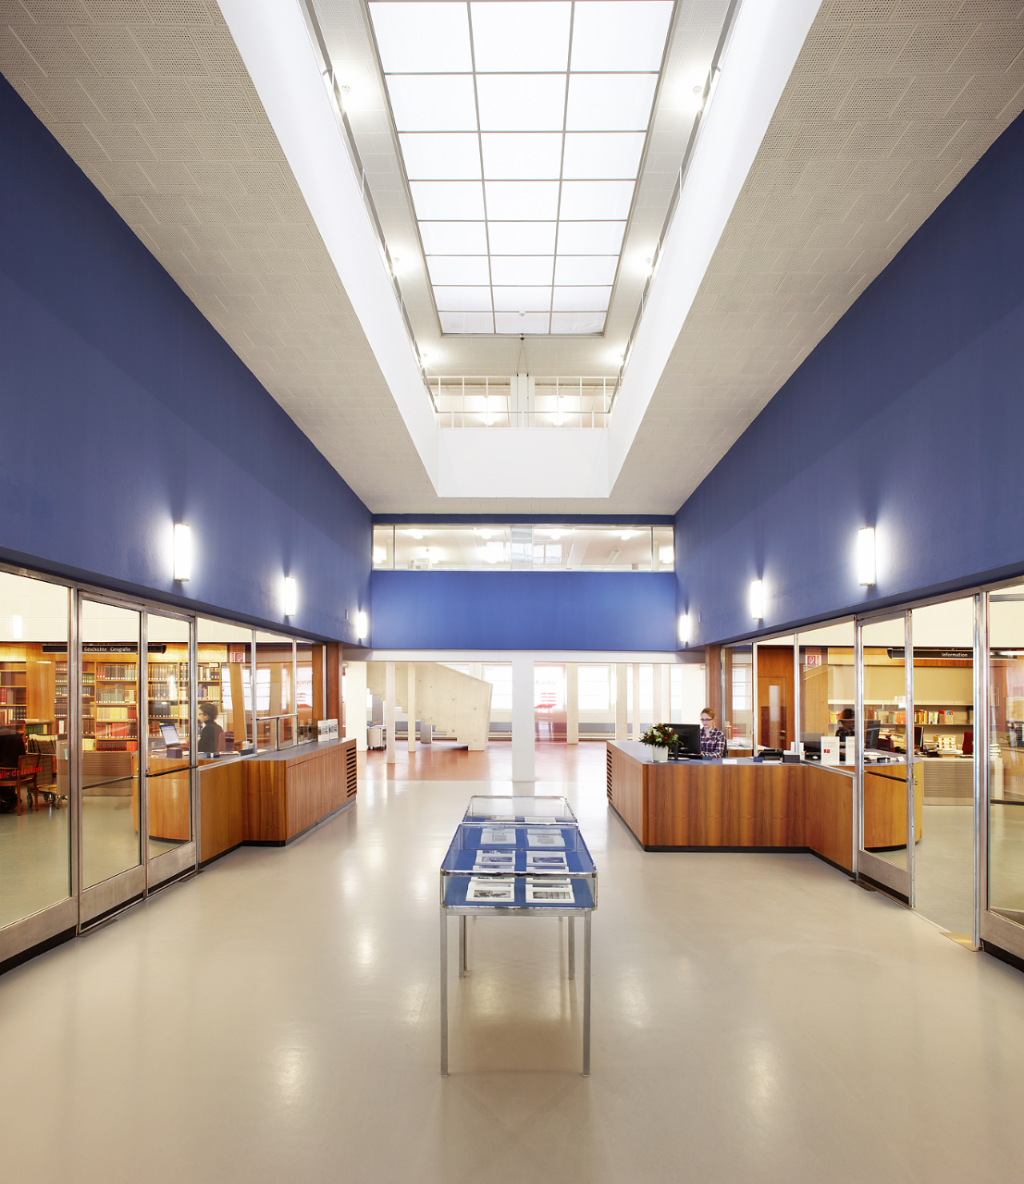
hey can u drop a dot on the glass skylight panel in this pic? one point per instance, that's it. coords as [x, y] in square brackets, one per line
[619, 34]
[585, 269]
[441, 156]
[577, 322]
[455, 238]
[463, 299]
[608, 155]
[521, 269]
[466, 322]
[610, 102]
[522, 299]
[510, 156]
[590, 238]
[525, 200]
[512, 103]
[522, 125]
[581, 299]
[459, 269]
[422, 37]
[513, 322]
[433, 102]
[521, 35]
[448, 201]
[522, 238]
[595, 201]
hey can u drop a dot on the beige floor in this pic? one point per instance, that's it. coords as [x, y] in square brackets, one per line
[756, 1018]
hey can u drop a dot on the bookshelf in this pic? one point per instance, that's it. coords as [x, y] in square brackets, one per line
[13, 691]
[168, 692]
[114, 703]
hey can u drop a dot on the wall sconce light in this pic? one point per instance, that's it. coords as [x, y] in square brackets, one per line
[866, 556]
[757, 600]
[291, 596]
[684, 628]
[362, 626]
[182, 551]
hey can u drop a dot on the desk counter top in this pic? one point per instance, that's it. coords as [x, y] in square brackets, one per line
[742, 803]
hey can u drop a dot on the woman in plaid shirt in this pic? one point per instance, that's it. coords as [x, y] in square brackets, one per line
[712, 739]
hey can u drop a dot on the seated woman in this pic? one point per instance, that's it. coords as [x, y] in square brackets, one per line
[712, 739]
[211, 731]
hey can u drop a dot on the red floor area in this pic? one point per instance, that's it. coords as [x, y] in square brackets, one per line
[442, 761]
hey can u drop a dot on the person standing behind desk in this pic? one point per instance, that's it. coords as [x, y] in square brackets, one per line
[712, 739]
[211, 731]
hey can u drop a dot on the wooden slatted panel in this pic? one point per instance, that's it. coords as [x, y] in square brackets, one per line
[351, 770]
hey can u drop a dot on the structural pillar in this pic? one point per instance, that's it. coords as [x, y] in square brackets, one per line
[659, 708]
[355, 703]
[621, 725]
[410, 704]
[523, 725]
[665, 679]
[636, 701]
[389, 710]
[572, 703]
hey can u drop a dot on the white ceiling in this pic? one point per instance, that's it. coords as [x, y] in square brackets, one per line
[889, 105]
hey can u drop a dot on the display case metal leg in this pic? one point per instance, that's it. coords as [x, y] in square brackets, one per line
[572, 947]
[444, 993]
[463, 963]
[586, 994]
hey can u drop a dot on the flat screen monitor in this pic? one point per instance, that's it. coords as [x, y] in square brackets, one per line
[871, 731]
[687, 739]
[170, 735]
[919, 737]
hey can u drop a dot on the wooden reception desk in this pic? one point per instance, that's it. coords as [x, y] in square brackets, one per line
[272, 798]
[774, 806]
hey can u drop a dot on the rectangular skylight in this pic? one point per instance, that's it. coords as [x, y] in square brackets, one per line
[522, 125]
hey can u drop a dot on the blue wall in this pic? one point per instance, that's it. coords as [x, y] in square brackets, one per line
[906, 417]
[523, 610]
[124, 411]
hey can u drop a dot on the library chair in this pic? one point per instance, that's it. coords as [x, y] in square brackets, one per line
[24, 773]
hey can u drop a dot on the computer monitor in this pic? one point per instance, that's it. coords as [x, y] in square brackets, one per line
[170, 735]
[871, 733]
[919, 737]
[687, 740]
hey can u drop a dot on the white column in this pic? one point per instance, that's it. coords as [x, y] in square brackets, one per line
[411, 705]
[572, 703]
[636, 701]
[523, 726]
[665, 678]
[389, 709]
[659, 712]
[355, 703]
[621, 732]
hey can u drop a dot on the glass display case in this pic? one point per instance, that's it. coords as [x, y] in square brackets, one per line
[517, 856]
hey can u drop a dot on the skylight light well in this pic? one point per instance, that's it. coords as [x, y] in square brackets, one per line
[522, 125]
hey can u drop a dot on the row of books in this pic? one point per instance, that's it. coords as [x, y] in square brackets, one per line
[10, 715]
[116, 731]
[106, 713]
[116, 695]
[116, 670]
[168, 670]
[12, 694]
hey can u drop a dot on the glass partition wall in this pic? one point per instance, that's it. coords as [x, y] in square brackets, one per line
[523, 547]
[108, 708]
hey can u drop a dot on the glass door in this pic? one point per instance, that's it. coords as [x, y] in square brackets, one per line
[169, 747]
[880, 720]
[111, 865]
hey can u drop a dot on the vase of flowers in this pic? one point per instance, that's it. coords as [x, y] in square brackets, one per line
[659, 739]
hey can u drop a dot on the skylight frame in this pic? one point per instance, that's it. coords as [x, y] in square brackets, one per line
[503, 201]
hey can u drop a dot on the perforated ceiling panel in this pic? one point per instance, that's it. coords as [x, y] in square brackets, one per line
[889, 105]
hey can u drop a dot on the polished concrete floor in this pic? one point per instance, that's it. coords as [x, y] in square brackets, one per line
[756, 1018]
